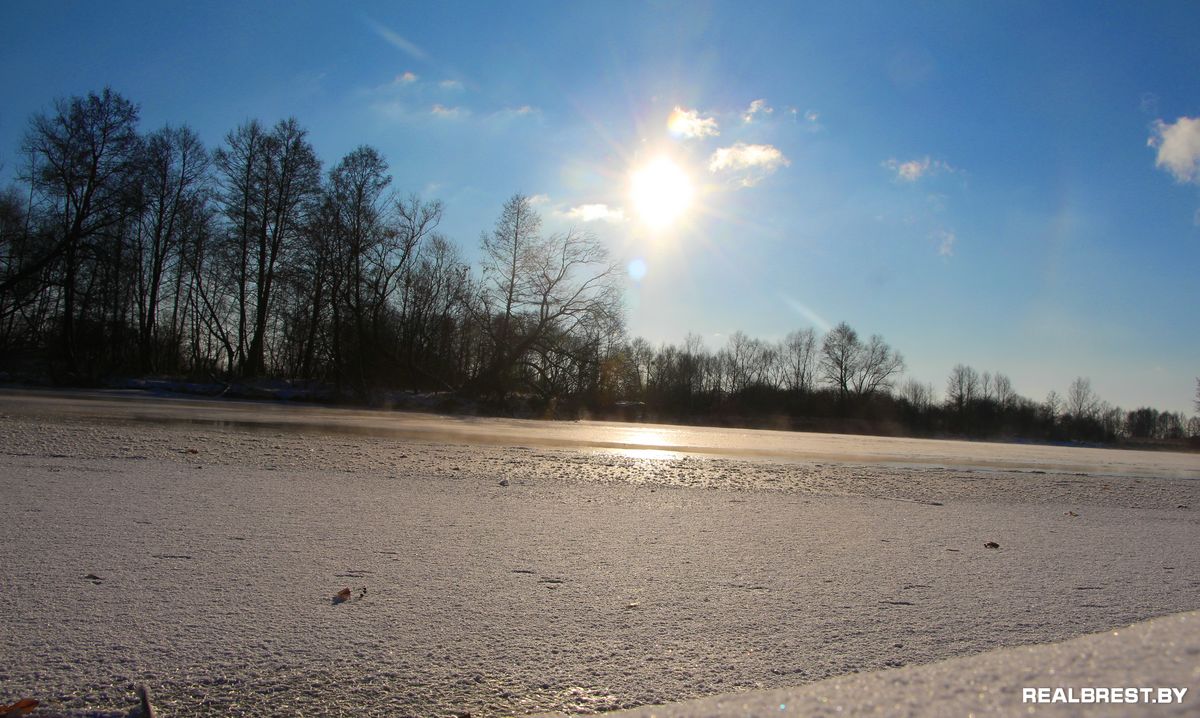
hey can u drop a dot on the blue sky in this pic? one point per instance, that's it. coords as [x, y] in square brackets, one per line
[1007, 185]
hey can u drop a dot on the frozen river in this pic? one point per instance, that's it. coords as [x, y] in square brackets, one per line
[636, 440]
[520, 567]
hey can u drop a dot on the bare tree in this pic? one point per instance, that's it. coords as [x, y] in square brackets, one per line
[741, 354]
[919, 396]
[174, 172]
[509, 253]
[962, 388]
[83, 157]
[24, 297]
[1052, 406]
[840, 353]
[539, 294]
[356, 186]
[877, 366]
[1005, 395]
[799, 359]
[267, 180]
[1170, 425]
[1112, 419]
[1082, 402]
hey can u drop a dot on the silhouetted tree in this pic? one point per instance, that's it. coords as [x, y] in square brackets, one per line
[962, 388]
[920, 396]
[174, 167]
[799, 360]
[266, 179]
[1052, 406]
[83, 164]
[1005, 395]
[876, 367]
[356, 187]
[839, 357]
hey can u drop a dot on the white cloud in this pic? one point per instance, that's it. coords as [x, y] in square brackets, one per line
[756, 107]
[397, 41]
[913, 170]
[1178, 146]
[689, 124]
[754, 162]
[539, 199]
[449, 113]
[596, 213]
[405, 79]
[450, 85]
[946, 244]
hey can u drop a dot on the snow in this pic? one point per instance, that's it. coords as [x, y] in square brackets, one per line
[601, 577]
[1157, 654]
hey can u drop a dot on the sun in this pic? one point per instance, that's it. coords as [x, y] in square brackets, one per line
[661, 192]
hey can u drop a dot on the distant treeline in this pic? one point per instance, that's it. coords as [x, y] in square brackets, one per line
[125, 253]
[839, 382]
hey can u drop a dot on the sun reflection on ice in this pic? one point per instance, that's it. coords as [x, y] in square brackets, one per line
[642, 443]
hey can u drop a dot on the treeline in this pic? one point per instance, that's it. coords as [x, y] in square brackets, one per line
[149, 254]
[131, 253]
[840, 382]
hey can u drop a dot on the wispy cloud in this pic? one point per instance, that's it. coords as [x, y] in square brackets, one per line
[449, 113]
[450, 85]
[812, 121]
[406, 78]
[310, 83]
[397, 41]
[522, 111]
[756, 107]
[539, 199]
[596, 213]
[1178, 145]
[809, 119]
[751, 163]
[913, 170]
[946, 240]
[689, 124]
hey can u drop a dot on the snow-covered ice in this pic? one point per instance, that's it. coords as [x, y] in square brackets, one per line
[607, 574]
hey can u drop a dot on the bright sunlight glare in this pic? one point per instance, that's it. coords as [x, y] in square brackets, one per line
[661, 192]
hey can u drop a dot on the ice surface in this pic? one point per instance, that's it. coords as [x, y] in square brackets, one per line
[145, 543]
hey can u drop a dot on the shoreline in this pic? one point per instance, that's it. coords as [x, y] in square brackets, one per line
[654, 440]
[67, 396]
